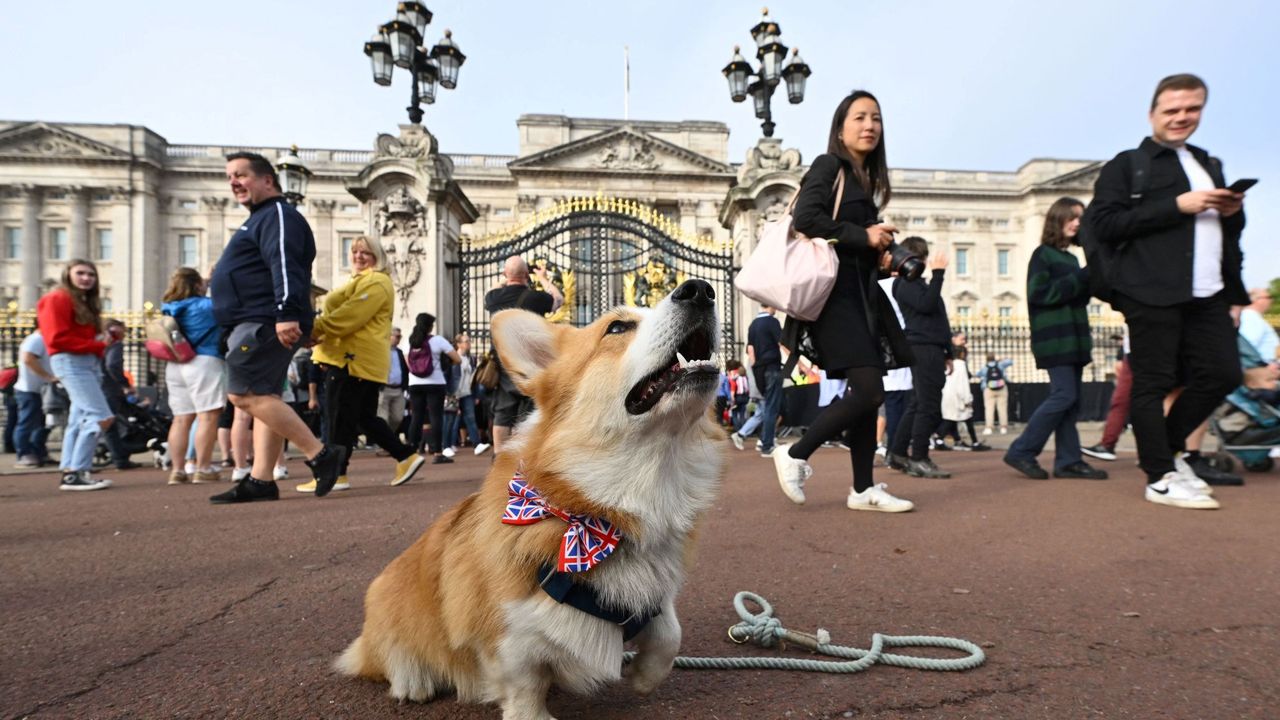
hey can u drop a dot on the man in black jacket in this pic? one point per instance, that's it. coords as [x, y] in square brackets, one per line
[261, 297]
[1175, 274]
[929, 333]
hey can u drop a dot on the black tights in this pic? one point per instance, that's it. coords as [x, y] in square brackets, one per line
[854, 416]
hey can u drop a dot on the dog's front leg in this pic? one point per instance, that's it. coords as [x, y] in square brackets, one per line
[525, 695]
[656, 648]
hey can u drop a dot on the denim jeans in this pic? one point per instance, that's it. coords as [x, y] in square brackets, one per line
[31, 433]
[81, 375]
[769, 380]
[467, 406]
[1056, 416]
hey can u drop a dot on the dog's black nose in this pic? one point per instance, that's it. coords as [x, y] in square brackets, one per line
[698, 292]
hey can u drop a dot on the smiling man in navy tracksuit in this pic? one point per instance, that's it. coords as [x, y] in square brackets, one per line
[261, 298]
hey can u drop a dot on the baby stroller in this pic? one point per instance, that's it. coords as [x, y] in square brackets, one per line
[1246, 425]
[141, 428]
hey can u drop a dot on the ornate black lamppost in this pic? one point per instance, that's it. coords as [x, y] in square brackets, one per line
[294, 176]
[771, 53]
[398, 44]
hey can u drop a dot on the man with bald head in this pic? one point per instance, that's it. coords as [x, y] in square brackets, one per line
[509, 405]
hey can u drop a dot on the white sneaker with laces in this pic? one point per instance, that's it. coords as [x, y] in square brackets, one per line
[986, 431]
[1173, 491]
[481, 448]
[1189, 476]
[737, 441]
[280, 473]
[792, 473]
[877, 498]
[448, 452]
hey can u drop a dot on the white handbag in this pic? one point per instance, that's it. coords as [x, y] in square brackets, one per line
[790, 271]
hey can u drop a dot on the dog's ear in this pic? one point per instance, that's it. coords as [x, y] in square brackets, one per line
[526, 343]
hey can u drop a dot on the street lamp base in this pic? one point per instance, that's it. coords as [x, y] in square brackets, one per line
[415, 114]
[767, 126]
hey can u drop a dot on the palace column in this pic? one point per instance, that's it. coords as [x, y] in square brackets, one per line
[32, 258]
[78, 233]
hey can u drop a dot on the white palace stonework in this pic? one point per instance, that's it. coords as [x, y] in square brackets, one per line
[140, 206]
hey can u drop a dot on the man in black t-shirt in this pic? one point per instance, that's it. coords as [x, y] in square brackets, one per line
[509, 405]
[764, 351]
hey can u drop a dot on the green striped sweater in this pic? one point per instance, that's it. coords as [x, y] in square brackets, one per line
[1057, 300]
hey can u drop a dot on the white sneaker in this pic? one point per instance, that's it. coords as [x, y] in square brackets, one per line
[1189, 477]
[882, 451]
[481, 448]
[448, 452]
[736, 439]
[791, 473]
[239, 474]
[877, 498]
[280, 473]
[986, 431]
[189, 468]
[1171, 490]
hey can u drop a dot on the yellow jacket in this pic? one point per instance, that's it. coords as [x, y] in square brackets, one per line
[355, 327]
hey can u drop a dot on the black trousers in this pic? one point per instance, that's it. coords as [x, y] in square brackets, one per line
[426, 404]
[1192, 344]
[924, 406]
[352, 407]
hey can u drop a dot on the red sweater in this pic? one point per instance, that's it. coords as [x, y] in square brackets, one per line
[62, 334]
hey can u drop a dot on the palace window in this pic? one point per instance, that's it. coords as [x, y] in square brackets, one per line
[1002, 223]
[962, 261]
[963, 312]
[347, 240]
[12, 243]
[960, 222]
[188, 250]
[350, 209]
[1002, 262]
[102, 197]
[917, 221]
[187, 204]
[1095, 309]
[502, 212]
[57, 243]
[104, 244]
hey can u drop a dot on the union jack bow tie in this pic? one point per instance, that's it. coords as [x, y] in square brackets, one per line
[587, 541]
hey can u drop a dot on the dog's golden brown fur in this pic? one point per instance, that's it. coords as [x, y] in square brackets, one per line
[462, 609]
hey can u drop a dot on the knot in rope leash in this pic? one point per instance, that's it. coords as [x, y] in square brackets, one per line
[767, 631]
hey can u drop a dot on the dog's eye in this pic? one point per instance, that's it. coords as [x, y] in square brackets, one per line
[617, 327]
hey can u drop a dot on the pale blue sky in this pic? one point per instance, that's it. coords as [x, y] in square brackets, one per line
[983, 85]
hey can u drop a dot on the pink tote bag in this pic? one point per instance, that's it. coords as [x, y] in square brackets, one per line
[790, 271]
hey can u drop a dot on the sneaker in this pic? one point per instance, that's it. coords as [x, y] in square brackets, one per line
[1004, 430]
[960, 445]
[877, 498]
[83, 481]
[1189, 477]
[1081, 470]
[248, 490]
[1205, 470]
[1100, 452]
[441, 460]
[280, 473]
[1171, 490]
[310, 487]
[925, 468]
[979, 446]
[894, 461]
[1030, 468]
[939, 444]
[210, 475]
[128, 465]
[406, 468]
[27, 461]
[882, 451]
[179, 477]
[792, 473]
[839, 445]
[238, 474]
[765, 452]
[986, 431]
[448, 452]
[481, 448]
[189, 468]
[326, 467]
[737, 441]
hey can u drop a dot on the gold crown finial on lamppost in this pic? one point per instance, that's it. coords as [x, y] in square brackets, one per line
[764, 10]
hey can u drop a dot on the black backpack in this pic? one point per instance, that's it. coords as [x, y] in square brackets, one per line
[1101, 257]
[995, 377]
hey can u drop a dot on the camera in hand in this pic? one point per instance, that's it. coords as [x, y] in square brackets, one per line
[904, 263]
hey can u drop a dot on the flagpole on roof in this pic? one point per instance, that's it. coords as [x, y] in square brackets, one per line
[626, 82]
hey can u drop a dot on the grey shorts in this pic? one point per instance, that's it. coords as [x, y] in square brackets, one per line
[510, 408]
[257, 364]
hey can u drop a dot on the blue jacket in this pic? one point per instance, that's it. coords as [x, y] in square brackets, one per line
[264, 274]
[195, 317]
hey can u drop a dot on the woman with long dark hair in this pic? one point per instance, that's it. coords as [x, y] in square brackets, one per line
[1057, 302]
[857, 327]
[70, 319]
[427, 386]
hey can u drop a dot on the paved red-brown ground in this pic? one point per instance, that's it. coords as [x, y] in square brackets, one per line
[144, 601]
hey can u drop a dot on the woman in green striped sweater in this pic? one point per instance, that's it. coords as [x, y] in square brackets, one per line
[1057, 297]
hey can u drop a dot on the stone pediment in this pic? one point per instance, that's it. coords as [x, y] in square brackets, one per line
[1084, 178]
[40, 140]
[621, 150]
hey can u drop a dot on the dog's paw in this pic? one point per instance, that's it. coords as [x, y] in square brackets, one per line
[645, 677]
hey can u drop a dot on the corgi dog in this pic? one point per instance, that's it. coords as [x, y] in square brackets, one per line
[579, 537]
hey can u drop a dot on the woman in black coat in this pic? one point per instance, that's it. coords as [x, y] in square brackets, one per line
[857, 328]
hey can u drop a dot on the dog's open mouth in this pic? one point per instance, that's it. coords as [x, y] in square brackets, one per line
[692, 359]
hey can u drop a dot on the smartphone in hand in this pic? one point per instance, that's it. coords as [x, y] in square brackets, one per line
[1242, 185]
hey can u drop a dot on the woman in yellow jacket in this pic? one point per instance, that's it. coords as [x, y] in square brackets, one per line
[351, 342]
